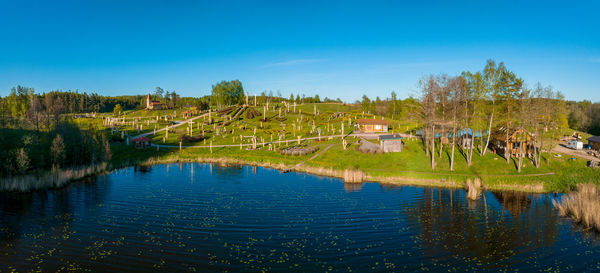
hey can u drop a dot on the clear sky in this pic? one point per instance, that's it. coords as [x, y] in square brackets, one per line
[336, 49]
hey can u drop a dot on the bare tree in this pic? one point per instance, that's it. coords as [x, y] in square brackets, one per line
[491, 74]
[429, 87]
[456, 95]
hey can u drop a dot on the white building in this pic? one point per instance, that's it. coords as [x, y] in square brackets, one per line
[575, 145]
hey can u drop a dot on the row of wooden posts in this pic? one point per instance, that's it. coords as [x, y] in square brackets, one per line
[111, 121]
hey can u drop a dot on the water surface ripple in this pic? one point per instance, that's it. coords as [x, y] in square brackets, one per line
[202, 217]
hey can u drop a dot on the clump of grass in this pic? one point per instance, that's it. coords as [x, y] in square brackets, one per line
[474, 187]
[582, 205]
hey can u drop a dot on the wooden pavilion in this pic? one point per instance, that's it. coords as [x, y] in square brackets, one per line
[594, 142]
[498, 141]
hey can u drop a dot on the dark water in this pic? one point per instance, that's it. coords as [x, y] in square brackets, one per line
[198, 217]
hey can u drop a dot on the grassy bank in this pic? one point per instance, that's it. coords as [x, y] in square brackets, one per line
[411, 166]
[408, 167]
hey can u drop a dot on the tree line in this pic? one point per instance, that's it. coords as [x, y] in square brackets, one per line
[226, 93]
[584, 116]
[492, 100]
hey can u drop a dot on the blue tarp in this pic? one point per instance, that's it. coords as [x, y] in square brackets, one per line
[459, 133]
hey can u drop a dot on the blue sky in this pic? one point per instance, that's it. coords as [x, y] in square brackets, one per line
[332, 48]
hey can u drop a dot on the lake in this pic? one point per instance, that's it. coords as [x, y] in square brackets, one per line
[203, 217]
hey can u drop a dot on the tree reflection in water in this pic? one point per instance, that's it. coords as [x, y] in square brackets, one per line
[227, 173]
[50, 212]
[451, 224]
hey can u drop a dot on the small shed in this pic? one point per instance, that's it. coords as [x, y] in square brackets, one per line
[594, 142]
[391, 143]
[141, 142]
[373, 125]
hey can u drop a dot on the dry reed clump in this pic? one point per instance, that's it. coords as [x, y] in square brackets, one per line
[353, 176]
[51, 179]
[473, 188]
[582, 205]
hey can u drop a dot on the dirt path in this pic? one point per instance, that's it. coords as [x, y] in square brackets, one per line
[172, 126]
[316, 155]
[560, 148]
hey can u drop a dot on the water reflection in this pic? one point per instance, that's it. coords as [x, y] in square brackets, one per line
[227, 171]
[53, 209]
[353, 187]
[451, 224]
[209, 217]
[142, 168]
[515, 202]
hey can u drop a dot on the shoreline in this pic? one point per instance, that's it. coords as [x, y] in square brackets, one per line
[62, 178]
[348, 175]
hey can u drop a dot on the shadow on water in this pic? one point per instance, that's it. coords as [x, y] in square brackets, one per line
[142, 168]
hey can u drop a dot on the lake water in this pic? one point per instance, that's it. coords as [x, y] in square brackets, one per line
[201, 217]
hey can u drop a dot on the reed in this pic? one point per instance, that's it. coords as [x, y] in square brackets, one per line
[474, 187]
[582, 205]
[353, 176]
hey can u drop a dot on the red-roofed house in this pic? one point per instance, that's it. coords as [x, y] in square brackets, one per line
[373, 125]
[141, 142]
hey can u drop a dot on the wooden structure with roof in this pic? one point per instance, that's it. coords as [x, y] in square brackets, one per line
[391, 143]
[594, 142]
[515, 137]
[373, 125]
[141, 142]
